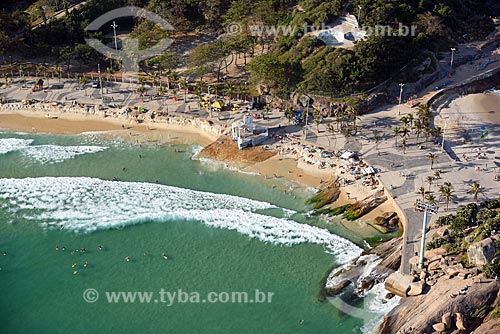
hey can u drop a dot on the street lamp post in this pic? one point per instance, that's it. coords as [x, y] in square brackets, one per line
[401, 85]
[307, 117]
[114, 26]
[426, 208]
[359, 16]
[451, 61]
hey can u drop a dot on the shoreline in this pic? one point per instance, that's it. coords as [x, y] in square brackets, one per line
[180, 129]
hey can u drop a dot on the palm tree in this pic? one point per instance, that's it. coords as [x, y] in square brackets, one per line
[410, 119]
[432, 158]
[431, 199]
[38, 69]
[475, 188]
[447, 194]
[377, 141]
[429, 180]
[141, 90]
[404, 120]
[421, 192]
[437, 174]
[404, 132]
[417, 125]
[438, 132]
[403, 144]
[395, 132]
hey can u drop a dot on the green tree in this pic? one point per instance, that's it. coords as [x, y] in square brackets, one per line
[429, 180]
[432, 158]
[475, 188]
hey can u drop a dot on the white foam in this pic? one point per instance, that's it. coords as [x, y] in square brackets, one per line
[50, 154]
[377, 306]
[13, 144]
[88, 204]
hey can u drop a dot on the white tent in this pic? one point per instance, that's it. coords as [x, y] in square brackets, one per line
[347, 155]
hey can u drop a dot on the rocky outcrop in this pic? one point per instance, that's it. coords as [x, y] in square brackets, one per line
[480, 253]
[380, 261]
[460, 322]
[421, 312]
[387, 222]
[399, 284]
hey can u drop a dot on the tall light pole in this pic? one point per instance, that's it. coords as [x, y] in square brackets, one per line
[426, 208]
[359, 16]
[114, 26]
[451, 61]
[400, 96]
[307, 116]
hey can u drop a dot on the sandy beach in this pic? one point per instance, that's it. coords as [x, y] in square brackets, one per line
[283, 165]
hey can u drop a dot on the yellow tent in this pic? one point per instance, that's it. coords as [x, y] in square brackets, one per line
[205, 98]
[218, 105]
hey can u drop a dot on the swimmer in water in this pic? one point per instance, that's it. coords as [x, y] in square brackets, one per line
[165, 257]
[301, 321]
[57, 247]
[75, 272]
[63, 248]
[100, 247]
[127, 259]
[73, 265]
[4, 253]
[85, 264]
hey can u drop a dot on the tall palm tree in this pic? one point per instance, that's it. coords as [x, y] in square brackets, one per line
[432, 158]
[437, 174]
[417, 125]
[403, 144]
[475, 188]
[431, 199]
[438, 132]
[395, 132]
[429, 180]
[421, 192]
[377, 141]
[404, 132]
[410, 119]
[447, 194]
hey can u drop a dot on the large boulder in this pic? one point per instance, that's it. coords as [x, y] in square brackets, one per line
[398, 283]
[439, 327]
[481, 252]
[416, 288]
[446, 320]
[460, 322]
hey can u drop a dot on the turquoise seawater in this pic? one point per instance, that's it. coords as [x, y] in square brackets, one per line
[223, 231]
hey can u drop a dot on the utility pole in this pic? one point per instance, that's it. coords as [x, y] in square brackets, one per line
[114, 26]
[451, 62]
[426, 208]
[307, 116]
[400, 96]
[359, 16]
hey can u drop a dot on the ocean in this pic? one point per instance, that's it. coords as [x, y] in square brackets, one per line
[99, 235]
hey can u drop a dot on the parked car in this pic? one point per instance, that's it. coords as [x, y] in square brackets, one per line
[96, 84]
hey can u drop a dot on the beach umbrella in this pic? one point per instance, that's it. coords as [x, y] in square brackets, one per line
[218, 105]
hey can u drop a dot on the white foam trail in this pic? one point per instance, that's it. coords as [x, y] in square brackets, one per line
[13, 144]
[88, 204]
[49, 154]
